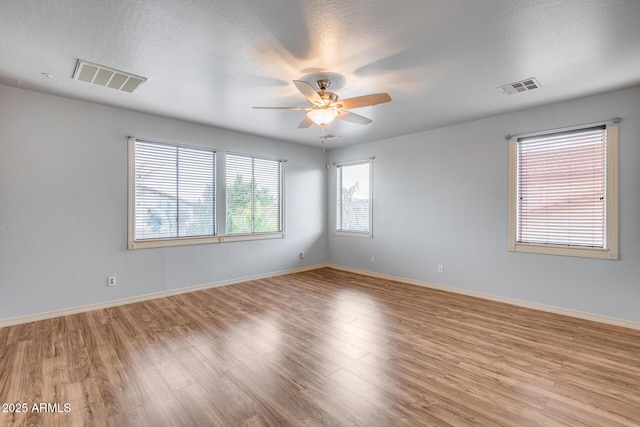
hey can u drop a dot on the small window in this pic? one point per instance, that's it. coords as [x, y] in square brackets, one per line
[563, 193]
[172, 194]
[254, 195]
[353, 204]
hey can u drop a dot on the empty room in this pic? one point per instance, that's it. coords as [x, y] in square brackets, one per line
[304, 213]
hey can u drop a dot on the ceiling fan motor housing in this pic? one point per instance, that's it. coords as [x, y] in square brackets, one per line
[329, 97]
[323, 84]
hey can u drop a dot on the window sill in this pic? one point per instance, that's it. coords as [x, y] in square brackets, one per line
[564, 250]
[254, 236]
[366, 235]
[187, 241]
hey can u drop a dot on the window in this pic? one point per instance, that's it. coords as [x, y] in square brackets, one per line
[353, 204]
[173, 193]
[173, 196]
[563, 193]
[253, 195]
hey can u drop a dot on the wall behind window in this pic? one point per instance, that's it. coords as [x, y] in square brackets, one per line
[440, 197]
[63, 207]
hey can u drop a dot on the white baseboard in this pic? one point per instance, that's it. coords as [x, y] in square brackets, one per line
[146, 297]
[527, 304]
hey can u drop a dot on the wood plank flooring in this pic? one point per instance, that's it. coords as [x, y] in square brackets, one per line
[320, 348]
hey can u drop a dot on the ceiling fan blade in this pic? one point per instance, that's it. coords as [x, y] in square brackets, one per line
[305, 123]
[284, 108]
[364, 101]
[309, 92]
[348, 116]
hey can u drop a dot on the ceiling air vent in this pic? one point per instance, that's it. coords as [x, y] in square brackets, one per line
[521, 86]
[108, 77]
[329, 136]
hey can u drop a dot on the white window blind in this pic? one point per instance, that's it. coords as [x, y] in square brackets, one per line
[174, 191]
[253, 195]
[353, 190]
[562, 188]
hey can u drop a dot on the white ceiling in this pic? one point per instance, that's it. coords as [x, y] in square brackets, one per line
[210, 61]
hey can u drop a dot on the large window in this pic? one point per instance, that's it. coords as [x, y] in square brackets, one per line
[563, 193]
[353, 201]
[173, 193]
[173, 196]
[253, 195]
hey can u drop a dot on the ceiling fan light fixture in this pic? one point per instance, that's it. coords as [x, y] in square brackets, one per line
[322, 116]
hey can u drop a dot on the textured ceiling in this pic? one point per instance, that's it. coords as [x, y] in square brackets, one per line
[210, 61]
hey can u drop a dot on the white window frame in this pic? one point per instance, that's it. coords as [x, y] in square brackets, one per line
[349, 233]
[220, 205]
[611, 250]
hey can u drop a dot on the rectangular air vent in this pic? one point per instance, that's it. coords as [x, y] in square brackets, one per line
[108, 77]
[329, 136]
[521, 86]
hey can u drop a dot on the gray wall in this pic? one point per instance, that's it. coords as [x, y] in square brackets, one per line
[440, 197]
[63, 207]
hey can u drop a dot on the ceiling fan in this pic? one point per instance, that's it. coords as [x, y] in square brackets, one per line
[325, 106]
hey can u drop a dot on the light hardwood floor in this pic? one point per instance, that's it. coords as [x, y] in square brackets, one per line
[325, 348]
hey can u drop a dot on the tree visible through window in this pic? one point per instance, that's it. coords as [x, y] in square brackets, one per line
[254, 195]
[353, 204]
[173, 196]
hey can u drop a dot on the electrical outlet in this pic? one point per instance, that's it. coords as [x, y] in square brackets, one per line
[373, 258]
[111, 281]
[301, 255]
[440, 268]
